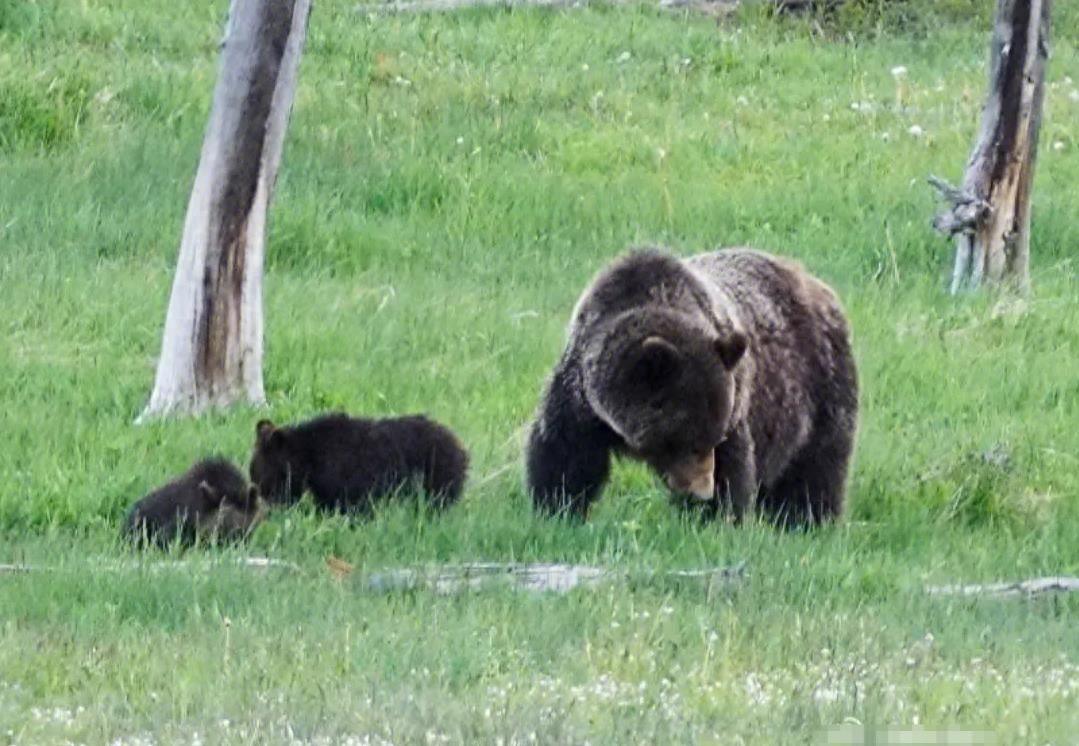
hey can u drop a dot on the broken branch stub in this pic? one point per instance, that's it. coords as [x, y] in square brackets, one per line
[989, 217]
[968, 210]
[211, 351]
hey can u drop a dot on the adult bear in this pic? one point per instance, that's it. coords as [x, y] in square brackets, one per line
[730, 373]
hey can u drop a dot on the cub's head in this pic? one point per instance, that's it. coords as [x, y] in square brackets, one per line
[233, 517]
[217, 481]
[273, 465]
[665, 384]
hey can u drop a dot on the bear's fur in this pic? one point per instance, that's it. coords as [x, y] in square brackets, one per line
[211, 502]
[347, 463]
[730, 373]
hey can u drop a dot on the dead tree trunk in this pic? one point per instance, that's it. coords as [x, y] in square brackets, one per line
[211, 353]
[990, 213]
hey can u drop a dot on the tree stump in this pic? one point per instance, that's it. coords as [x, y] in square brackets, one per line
[990, 214]
[211, 352]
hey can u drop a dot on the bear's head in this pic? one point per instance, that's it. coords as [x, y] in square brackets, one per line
[664, 382]
[234, 516]
[219, 482]
[274, 465]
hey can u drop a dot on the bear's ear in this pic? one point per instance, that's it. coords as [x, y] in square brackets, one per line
[732, 349]
[266, 432]
[659, 362]
[209, 493]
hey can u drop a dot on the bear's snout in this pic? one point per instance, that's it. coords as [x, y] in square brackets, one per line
[693, 476]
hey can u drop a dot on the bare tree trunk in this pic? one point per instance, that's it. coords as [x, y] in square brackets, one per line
[990, 214]
[211, 353]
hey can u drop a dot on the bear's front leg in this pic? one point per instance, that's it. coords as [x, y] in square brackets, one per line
[736, 472]
[568, 456]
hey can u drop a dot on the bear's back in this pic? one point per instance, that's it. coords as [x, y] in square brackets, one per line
[768, 291]
[351, 460]
[369, 447]
[158, 515]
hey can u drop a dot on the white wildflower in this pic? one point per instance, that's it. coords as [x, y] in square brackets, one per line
[826, 694]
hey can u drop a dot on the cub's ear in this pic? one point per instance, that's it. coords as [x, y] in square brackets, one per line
[209, 493]
[266, 432]
[732, 349]
[659, 361]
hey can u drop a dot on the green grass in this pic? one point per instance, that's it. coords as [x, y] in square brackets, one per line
[449, 185]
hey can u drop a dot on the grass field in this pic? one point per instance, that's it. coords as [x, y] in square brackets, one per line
[449, 186]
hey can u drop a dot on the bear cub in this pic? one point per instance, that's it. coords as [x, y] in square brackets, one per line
[348, 463]
[730, 373]
[210, 502]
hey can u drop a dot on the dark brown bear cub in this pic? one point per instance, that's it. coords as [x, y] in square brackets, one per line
[211, 501]
[730, 373]
[347, 463]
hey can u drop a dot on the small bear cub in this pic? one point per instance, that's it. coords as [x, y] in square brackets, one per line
[211, 502]
[347, 463]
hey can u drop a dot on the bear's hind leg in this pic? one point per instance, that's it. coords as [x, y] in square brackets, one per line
[811, 490]
[444, 478]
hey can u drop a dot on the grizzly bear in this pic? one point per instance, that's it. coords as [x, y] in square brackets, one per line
[729, 373]
[347, 463]
[211, 502]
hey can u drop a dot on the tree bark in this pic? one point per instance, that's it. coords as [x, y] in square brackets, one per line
[990, 213]
[211, 353]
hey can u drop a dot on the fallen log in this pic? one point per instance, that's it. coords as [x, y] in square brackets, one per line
[261, 564]
[712, 7]
[557, 578]
[1017, 589]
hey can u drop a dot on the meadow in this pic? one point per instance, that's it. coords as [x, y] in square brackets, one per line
[449, 185]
